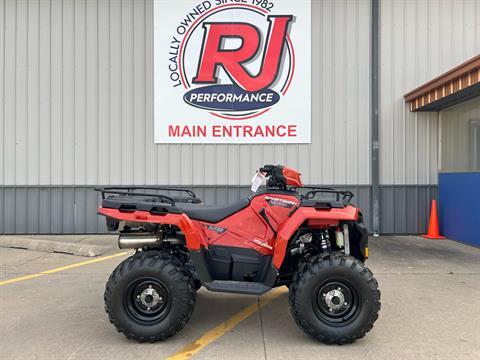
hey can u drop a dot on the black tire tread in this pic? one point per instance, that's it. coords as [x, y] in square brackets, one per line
[313, 266]
[163, 262]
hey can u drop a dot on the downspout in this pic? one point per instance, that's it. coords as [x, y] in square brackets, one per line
[375, 145]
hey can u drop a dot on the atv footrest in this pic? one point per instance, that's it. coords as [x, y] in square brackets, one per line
[237, 287]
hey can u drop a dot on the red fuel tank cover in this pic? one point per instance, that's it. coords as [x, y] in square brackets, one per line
[292, 176]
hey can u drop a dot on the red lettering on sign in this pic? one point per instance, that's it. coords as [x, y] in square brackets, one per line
[187, 131]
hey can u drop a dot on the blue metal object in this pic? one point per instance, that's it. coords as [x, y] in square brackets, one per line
[459, 206]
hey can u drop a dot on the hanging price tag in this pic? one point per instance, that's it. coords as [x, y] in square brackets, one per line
[257, 181]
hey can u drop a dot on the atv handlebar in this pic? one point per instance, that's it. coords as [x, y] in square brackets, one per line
[272, 171]
[267, 169]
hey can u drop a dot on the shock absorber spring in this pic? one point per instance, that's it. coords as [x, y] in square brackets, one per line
[324, 241]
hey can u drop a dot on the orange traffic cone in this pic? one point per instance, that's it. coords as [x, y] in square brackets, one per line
[433, 232]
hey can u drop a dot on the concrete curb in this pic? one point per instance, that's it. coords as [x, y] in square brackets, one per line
[51, 246]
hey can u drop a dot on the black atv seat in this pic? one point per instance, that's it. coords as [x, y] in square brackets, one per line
[212, 213]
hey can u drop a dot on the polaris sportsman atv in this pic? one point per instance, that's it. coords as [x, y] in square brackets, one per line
[311, 240]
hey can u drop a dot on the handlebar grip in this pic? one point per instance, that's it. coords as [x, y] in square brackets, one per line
[267, 168]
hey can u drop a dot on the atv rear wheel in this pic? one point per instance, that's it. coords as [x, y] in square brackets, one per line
[334, 298]
[150, 296]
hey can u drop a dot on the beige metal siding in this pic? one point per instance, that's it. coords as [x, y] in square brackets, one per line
[419, 41]
[77, 100]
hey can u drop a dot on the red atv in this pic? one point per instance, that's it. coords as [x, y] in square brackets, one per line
[309, 239]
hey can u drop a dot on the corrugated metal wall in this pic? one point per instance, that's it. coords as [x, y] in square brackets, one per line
[419, 40]
[76, 110]
[77, 100]
[68, 209]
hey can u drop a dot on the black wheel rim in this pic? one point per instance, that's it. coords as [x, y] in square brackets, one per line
[147, 301]
[336, 302]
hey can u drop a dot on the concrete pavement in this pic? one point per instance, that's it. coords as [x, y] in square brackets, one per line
[80, 245]
[430, 309]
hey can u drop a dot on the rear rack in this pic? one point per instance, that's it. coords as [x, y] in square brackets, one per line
[133, 191]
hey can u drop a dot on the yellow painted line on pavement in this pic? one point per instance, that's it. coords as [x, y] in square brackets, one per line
[62, 268]
[197, 345]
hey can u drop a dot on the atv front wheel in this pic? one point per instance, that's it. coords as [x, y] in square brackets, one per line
[150, 296]
[334, 298]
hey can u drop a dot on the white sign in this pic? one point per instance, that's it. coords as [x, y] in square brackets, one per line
[232, 71]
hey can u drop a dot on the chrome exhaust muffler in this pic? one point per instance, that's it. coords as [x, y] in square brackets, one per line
[137, 241]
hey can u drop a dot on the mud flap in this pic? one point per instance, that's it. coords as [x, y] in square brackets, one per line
[359, 233]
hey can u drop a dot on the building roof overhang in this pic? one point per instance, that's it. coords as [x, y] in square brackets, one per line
[453, 87]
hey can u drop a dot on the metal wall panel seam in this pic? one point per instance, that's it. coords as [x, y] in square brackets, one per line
[2, 95]
[45, 99]
[10, 93]
[357, 88]
[21, 103]
[375, 201]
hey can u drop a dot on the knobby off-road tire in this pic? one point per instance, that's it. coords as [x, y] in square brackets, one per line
[317, 287]
[150, 296]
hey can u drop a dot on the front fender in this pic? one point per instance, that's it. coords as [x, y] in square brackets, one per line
[315, 219]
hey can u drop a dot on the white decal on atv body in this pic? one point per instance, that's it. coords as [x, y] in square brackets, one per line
[217, 229]
[280, 202]
[262, 244]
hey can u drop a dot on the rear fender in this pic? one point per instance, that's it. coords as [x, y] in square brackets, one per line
[182, 221]
[313, 218]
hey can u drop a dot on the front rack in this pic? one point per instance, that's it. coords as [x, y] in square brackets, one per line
[133, 191]
[340, 195]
